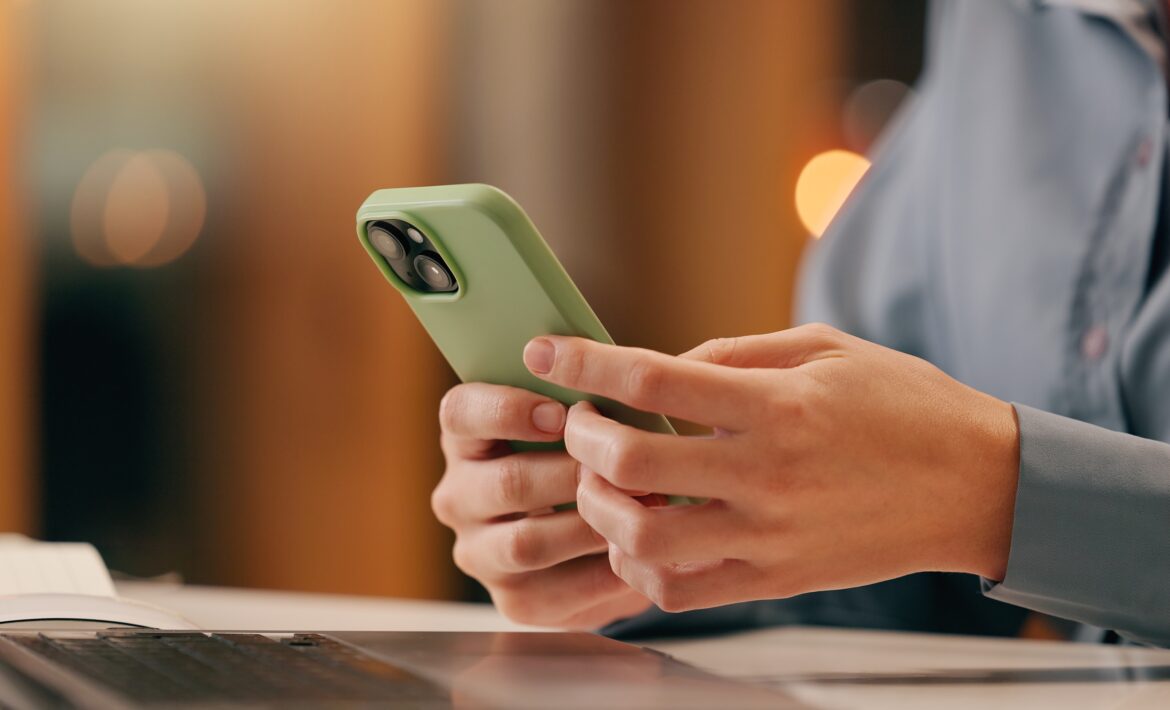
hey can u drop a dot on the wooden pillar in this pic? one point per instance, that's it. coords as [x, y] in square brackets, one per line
[319, 391]
[718, 107]
[17, 495]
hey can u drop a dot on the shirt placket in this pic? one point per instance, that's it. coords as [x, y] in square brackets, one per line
[1112, 281]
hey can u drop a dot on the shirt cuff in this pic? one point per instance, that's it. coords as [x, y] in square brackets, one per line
[1091, 533]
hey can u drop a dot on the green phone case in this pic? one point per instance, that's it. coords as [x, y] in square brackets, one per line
[511, 288]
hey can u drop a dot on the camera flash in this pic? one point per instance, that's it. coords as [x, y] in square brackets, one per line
[415, 235]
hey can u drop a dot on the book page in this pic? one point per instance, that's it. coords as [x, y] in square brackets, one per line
[32, 567]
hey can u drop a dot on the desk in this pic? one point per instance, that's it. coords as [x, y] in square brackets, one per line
[830, 668]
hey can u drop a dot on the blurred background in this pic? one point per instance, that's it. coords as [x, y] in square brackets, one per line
[200, 369]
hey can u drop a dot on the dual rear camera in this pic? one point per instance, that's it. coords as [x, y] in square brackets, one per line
[411, 255]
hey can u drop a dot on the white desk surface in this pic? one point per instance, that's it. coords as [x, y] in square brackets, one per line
[829, 668]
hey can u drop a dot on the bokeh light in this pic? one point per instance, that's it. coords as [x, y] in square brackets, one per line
[823, 186]
[86, 213]
[137, 208]
[187, 208]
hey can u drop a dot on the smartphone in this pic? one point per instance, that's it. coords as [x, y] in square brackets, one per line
[483, 283]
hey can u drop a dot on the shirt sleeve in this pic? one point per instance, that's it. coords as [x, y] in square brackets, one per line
[1089, 539]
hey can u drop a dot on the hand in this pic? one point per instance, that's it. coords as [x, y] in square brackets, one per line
[834, 463]
[541, 566]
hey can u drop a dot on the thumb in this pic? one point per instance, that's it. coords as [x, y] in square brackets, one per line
[784, 348]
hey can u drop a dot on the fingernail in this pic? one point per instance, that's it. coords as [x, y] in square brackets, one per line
[549, 417]
[538, 356]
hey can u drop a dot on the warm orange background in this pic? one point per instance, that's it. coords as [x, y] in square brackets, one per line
[18, 499]
[655, 143]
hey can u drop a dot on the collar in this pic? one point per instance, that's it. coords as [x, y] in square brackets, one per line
[1144, 21]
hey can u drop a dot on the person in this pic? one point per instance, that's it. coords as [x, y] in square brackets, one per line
[972, 425]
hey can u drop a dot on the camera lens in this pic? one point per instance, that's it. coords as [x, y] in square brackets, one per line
[434, 272]
[386, 242]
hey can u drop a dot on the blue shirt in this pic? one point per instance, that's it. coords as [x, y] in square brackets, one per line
[1005, 233]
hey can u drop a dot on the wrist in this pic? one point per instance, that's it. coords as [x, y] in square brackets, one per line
[995, 479]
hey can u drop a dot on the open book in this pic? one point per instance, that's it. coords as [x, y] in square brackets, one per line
[31, 567]
[67, 585]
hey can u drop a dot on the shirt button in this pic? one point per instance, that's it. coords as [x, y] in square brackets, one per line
[1094, 343]
[1143, 153]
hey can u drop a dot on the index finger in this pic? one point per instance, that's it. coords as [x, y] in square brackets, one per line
[476, 416]
[653, 382]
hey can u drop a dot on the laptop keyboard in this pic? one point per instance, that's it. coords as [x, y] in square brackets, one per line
[181, 667]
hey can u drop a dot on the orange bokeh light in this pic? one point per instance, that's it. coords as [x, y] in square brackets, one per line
[137, 208]
[823, 186]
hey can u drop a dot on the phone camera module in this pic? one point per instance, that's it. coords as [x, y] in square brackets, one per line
[386, 241]
[409, 252]
[434, 272]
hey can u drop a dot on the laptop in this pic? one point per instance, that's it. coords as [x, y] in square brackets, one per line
[133, 668]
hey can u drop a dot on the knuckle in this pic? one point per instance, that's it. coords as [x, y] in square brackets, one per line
[570, 362]
[513, 606]
[821, 334]
[674, 600]
[819, 329]
[626, 461]
[644, 539]
[443, 503]
[671, 593]
[653, 587]
[510, 585]
[462, 558]
[502, 412]
[597, 579]
[513, 485]
[609, 581]
[526, 600]
[617, 562]
[644, 382]
[720, 350]
[450, 407]
[601, 580]
[522, 546]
